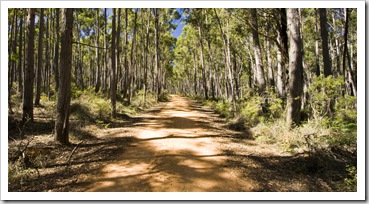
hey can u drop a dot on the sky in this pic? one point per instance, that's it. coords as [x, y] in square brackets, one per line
[177, 32]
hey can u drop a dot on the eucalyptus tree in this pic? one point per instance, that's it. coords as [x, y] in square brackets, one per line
[295, 68]
[64, 92]
[29, 68]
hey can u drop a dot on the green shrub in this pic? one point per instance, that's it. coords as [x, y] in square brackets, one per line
[163, 96]
[350, 183]
[223, 108]
[323, 92]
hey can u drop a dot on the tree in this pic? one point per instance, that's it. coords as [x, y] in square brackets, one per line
[98, 73]
[29, 69]
[39, 61]
[20, 61]
[295, 68]
[64, 92]
[56, 50]
[258, 59]
[113, 84]
[324, 35]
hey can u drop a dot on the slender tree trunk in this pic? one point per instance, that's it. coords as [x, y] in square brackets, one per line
[280, 68]
[258, 59]
[64, 92]
[337, 46]
[204, 82]
[157, 53]
[56, 51]
[113, 94]
[39, 61]
[125, 50]
[105, 73]
[29, 69]
[350, 82]
[317, 66]
[20, 60]
[296, 70]
[98, 73]
[10, 60]
[132, 66]
[324, 35]
[269, 61]
[146, 53]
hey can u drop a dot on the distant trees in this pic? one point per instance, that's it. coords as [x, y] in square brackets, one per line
[228, 55]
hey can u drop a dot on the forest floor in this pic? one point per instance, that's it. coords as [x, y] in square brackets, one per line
[175, 146]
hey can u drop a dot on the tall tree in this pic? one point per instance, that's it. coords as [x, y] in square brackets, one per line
[98, 73]
[113, 84]
[56, 50]
[20, 54]
[64, 92]
[29, 69]
[324, 35]
[295, 68]
[350, 82]
[317, 66]
[157, 52]
[258, 59]
[39, 60]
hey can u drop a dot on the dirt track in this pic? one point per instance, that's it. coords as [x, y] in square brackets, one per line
[177, 149]
[182, 147]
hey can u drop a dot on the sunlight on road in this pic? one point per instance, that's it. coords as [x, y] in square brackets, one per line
[176, 150]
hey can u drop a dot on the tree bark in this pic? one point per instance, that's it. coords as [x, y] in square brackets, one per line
[97, 56]
[39, 61]
[324, 35]
[295, 66]
[157, 54]
[113, 85]
[20, 60]
[56, 51]
[64, 92]
[317, 66]
[29, 68]
[258, 59]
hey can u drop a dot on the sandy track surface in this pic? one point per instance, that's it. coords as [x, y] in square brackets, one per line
[177, 148]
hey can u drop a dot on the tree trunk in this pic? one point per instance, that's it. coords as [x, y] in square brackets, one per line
[64, 92]
[39, 61]
[295, 66]
[146, 53]
[317, 66]
[324, 35]
[29, 69]
[20, 60]
[98, 73]
[113, 85]
[350, 82]
[204, 82]
[56, 51]
[258, 59]
[157, 53]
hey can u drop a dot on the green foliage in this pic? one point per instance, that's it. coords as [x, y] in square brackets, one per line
[223, 108]
[138, 99]
[324, 91]
[164, 96]
[350, 183]
[251, 109]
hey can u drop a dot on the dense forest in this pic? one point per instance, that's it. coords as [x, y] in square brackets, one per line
[282, 77]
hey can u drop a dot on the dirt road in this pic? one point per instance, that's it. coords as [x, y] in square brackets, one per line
[182, 147]
[178, 148]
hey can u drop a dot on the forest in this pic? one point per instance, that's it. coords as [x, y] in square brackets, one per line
[240, 100]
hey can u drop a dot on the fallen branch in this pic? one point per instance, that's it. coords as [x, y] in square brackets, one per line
[74, 149]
